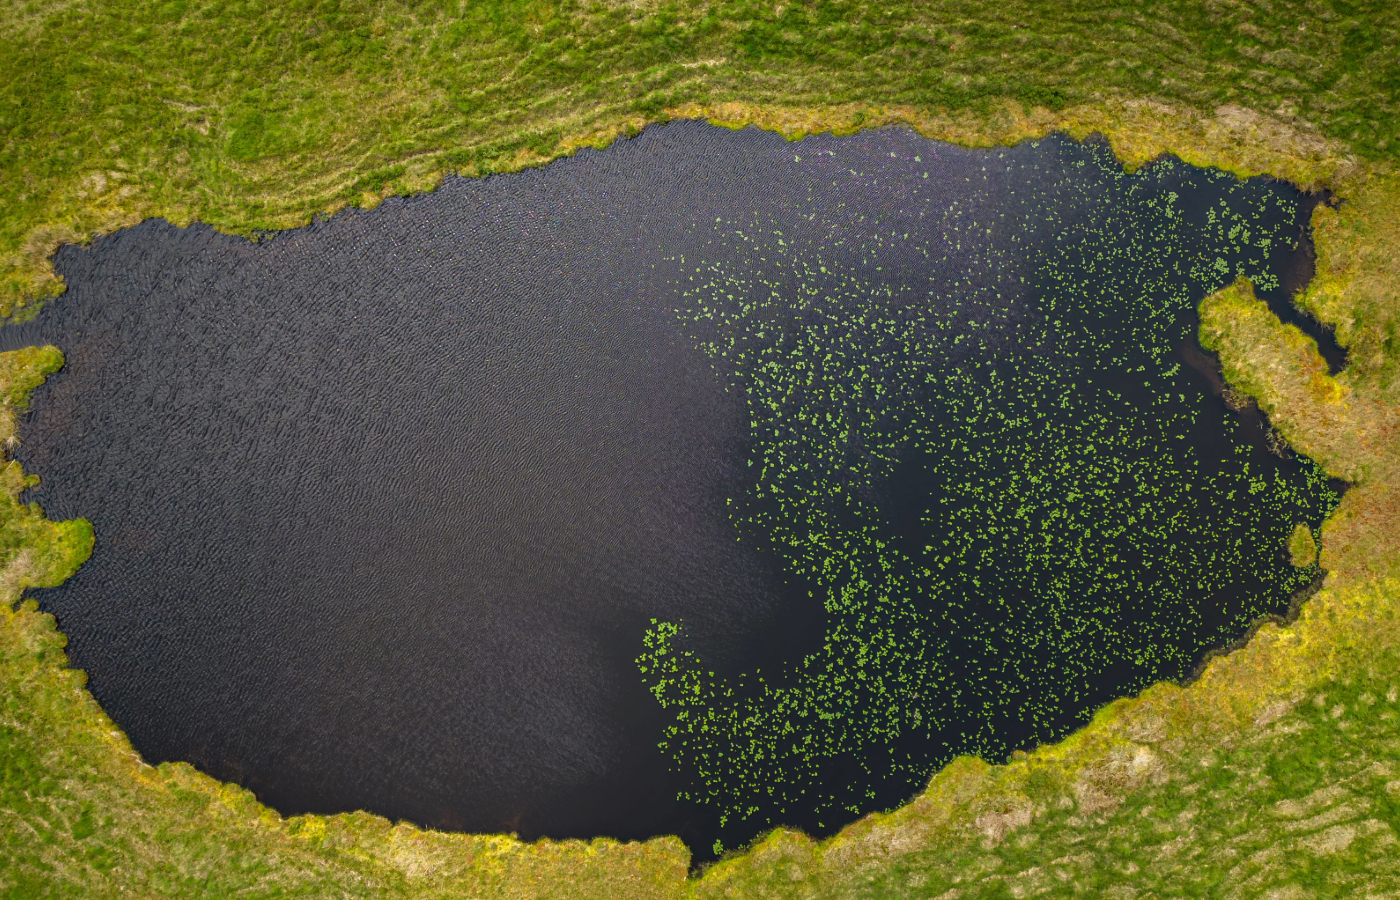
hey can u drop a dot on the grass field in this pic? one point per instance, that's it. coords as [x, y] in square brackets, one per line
[1276, 773]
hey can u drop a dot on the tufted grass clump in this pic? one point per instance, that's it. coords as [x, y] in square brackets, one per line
[1302, 547]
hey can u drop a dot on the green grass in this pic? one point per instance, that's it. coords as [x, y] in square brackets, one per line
[1302, 547]
[1278, 770]
[255, 115]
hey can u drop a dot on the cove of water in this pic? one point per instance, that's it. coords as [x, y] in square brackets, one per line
[388, 508]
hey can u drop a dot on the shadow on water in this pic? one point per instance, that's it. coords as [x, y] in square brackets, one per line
[385, 505]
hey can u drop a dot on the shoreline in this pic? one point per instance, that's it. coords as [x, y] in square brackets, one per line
[1135, 130]
[1345, 422]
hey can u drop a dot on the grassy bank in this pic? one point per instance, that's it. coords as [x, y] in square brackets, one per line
[1277, 770]
[257, 114]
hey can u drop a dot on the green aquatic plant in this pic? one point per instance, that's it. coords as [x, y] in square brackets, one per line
[1011, 501]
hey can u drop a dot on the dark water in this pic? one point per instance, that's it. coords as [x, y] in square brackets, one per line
[1295, 271]
[385, 506]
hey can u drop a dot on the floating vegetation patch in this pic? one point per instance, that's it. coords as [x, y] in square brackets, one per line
[993, 450]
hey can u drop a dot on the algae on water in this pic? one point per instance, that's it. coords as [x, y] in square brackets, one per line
[1013, 503]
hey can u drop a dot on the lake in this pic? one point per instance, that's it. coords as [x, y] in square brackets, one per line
[697, 485]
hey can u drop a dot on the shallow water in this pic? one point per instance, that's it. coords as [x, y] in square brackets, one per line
[386, 506]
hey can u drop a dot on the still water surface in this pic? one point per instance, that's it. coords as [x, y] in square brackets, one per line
[385, 505]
